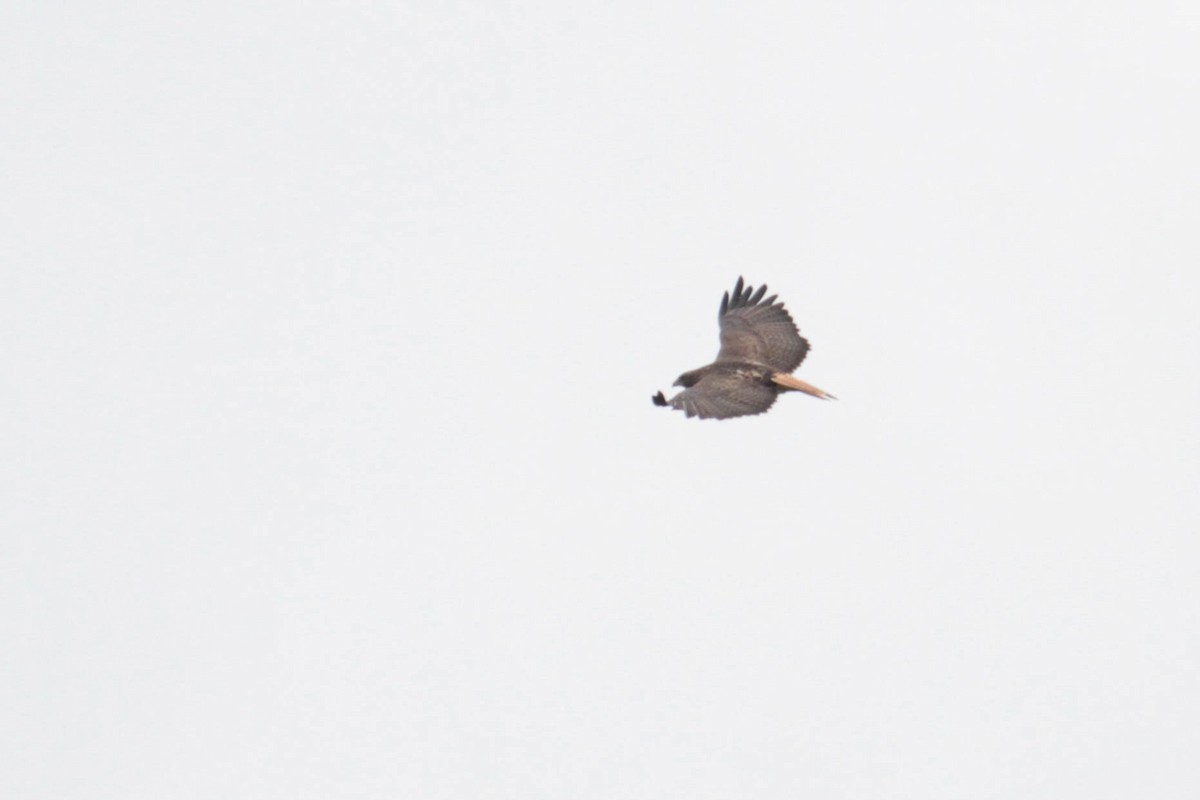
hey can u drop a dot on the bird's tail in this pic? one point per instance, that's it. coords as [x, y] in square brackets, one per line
[794, 384]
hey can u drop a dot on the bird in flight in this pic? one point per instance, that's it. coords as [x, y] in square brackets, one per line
[760, 346]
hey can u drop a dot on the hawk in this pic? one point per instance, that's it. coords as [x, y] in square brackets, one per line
[760, 346]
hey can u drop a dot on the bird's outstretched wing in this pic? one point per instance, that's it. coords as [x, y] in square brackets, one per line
[759, 331]
[721, 395]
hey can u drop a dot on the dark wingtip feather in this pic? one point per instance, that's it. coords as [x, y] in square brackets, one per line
[724, 305]
[744, 296]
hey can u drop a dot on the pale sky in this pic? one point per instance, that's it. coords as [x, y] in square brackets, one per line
[328, 466]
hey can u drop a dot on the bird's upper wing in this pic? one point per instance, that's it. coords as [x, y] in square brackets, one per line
[758, 330]
[721, 395]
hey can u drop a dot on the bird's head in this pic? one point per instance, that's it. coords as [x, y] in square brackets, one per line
[689, 379]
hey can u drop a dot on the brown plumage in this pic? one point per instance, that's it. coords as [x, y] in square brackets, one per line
[760, 346]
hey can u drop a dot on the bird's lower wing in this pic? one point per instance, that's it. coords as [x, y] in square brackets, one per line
[721, 396]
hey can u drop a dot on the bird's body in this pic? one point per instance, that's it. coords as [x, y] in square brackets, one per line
[760, 346]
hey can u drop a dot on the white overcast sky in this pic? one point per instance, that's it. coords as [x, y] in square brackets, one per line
[328, 462]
